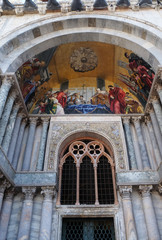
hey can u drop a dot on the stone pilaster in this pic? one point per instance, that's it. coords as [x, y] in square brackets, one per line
[6, 212]
[6, 114]
[26, 214]
[15, 136]
[131, 152]
[125, 192]
[151, 223]
[10, 127]
[156, 129]
[158, 112]
[143, 152]
[29, 145]
[5, 184]
[46, 220]
[42, 144]
[4, 90]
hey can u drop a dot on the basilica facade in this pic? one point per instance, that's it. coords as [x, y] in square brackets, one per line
[80, 120]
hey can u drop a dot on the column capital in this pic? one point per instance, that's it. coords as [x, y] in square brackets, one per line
[150, 108]
[29, 192]
[8, 80]
[145, 190]
[45, 120]
[5, 184]
[147, 119]
[21, 115]
[1, 175]
[48, 192]
[125, 191]
[126, 120]
[9, 193]
[33, 120]
[136, 120]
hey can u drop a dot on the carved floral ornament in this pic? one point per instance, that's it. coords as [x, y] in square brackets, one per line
[83, 60]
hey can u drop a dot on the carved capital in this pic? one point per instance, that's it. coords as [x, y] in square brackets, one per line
[48, 192]
[33, 120]
[8, 80]
[150, 109]
[147, 119]
[45, 120]
[160, 188]
[21, 115]
[9, 193]
[136, 120]
[125, 191]
[29, 192]
[5, 184]
[126, 120]
[145, 190]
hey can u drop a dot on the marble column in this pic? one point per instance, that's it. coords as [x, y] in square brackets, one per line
[36, 217]
[158, 112]
[29, 145]
[131, 152]
[42, 144]
[125, 192]
[151, 223]
[6, 115]
[153, 141]
[15, 217]
[4, 90]
[159, 91]
[136, 147]
[26, 214]
[18, 144]
[4, 184]
[15, 136]
[10, 127]
[6, 212]
[148, 144]
[143, 152]
[46, 220]
[156, 129]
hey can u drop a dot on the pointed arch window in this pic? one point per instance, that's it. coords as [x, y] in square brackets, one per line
[86, 175]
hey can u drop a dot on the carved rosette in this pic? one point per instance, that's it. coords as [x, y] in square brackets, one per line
[83, 60]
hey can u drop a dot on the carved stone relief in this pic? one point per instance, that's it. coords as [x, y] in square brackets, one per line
[109, 130]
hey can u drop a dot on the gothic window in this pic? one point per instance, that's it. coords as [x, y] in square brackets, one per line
[86, 175]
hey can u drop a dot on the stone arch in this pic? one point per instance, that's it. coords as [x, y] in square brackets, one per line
[30, 40]
[78, 134]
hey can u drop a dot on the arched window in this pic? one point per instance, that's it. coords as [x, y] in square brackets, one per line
[86, 175]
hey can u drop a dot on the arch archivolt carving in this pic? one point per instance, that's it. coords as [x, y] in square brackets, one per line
[109, 133]
[120, 31]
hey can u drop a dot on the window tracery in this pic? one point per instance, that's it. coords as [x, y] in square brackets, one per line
[86, 175]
